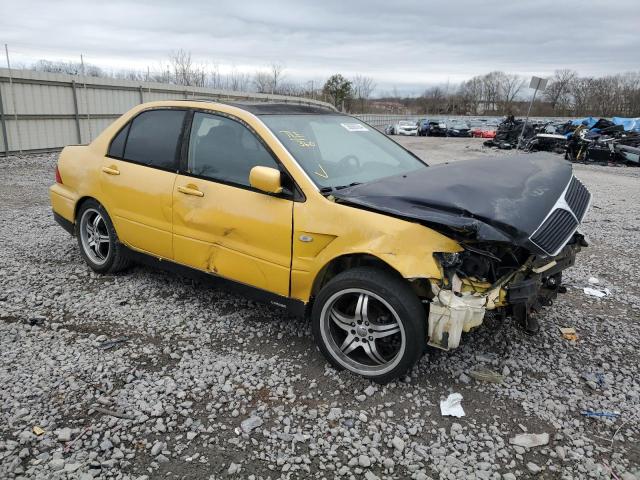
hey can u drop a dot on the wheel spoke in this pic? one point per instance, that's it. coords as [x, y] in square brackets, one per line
[341, 320]
[381, 331]
[349, 344]
[98, 252]
[103, 238]
[362, 307]
[96, 222]
[372, 351]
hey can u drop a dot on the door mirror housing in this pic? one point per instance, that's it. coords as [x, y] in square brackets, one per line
[266, 179]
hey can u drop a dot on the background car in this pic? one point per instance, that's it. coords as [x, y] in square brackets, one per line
[458, 128]
[402, 127]
[423, 127]
[483, 128]
[436, 128]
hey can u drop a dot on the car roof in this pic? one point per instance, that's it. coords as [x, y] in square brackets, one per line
[275, 108]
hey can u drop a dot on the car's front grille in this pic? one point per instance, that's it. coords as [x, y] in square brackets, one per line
[555, 231]
[577, 197]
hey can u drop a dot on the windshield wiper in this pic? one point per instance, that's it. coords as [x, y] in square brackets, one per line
[338, 187]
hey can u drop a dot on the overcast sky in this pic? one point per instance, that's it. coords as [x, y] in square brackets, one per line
[406, 44]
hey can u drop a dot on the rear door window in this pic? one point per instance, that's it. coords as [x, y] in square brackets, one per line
[154, 138]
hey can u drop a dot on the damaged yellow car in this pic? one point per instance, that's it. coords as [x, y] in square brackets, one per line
[320, 214]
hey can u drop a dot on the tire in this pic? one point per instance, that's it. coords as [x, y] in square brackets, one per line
[369, 321]
[107, 255]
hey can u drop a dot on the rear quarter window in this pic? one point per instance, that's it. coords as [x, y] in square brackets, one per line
[116, 149]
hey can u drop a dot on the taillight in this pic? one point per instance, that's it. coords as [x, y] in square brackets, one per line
[58, 177]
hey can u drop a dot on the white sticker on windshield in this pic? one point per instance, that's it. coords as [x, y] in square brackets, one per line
[355, 127]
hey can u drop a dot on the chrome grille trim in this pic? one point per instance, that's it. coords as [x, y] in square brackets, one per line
[562, 203]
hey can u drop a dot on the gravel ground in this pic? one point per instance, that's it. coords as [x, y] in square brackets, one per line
[212, 385]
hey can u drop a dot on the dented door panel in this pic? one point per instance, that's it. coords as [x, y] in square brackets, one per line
[233, 232]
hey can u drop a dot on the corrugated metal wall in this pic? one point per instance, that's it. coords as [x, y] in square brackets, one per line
[45, 111]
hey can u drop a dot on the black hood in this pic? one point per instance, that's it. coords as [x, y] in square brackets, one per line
[502, 199]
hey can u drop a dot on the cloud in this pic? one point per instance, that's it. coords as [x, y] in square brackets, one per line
[407, 44]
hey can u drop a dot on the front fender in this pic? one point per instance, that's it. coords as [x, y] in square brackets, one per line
[325, 231]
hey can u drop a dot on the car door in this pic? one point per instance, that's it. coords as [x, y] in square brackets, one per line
[220, 223]
[137, 180]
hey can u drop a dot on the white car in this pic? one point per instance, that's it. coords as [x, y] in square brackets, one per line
[403, 127]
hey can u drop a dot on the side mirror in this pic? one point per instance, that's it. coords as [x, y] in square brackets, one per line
[266, 179]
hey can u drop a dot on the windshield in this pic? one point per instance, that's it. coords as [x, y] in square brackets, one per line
[338, 151]
[406, 123]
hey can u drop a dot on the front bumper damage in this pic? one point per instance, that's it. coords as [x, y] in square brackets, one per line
[461, 302]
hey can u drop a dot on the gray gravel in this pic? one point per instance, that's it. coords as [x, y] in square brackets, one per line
[205, 384]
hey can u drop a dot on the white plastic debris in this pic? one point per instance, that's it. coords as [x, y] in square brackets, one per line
[596, 293]
[250, 423]
[451, 407]
[594, 281]
[530, 440]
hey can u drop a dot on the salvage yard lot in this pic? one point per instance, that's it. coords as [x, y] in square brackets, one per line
[195, 363]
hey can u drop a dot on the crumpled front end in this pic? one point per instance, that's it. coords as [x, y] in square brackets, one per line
[494, 279]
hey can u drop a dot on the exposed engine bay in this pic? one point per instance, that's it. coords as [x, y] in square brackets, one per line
[505, 279]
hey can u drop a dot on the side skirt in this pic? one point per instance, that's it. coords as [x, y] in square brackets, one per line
[292, 306]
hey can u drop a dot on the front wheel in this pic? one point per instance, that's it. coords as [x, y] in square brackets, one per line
[370, 322]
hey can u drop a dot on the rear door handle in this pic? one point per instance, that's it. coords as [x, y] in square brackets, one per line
[111, 171]
[191, 191]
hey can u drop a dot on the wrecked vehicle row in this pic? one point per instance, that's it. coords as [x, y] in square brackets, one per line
[588, 140]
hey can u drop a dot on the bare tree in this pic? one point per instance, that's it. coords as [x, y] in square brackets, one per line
[510, 87]
[277, 72]
[362, 88]
[492, 91]
[471, 93]
[557, 92]
[262, 81]
[237, 81]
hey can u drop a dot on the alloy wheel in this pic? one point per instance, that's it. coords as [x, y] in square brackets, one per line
[362, 331]
[94, 236]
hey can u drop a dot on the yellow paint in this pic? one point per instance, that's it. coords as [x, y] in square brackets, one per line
[234, 232]
[266, 179]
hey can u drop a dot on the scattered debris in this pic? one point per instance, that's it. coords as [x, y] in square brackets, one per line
[68, 445]
[530, 440]
[597, 293]
[569, 333]
[594, 380]
[594, 281]
[451, 407]
[114, 413]
[112, 343]
[251, 423]
[590, 413]
[38, 430]
[484, 374]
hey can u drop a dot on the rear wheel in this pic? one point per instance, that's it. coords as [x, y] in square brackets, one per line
[369, 322]
[98, 240]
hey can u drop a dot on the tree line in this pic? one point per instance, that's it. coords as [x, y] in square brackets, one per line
[495, 93]
[181, 69]
[567, 94]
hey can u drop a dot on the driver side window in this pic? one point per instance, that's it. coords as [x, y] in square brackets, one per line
[222, 149]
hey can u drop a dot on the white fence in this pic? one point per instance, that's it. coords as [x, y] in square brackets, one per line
[44, 111]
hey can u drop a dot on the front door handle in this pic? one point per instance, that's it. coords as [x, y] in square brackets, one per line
[111, 171]
[191, 191]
